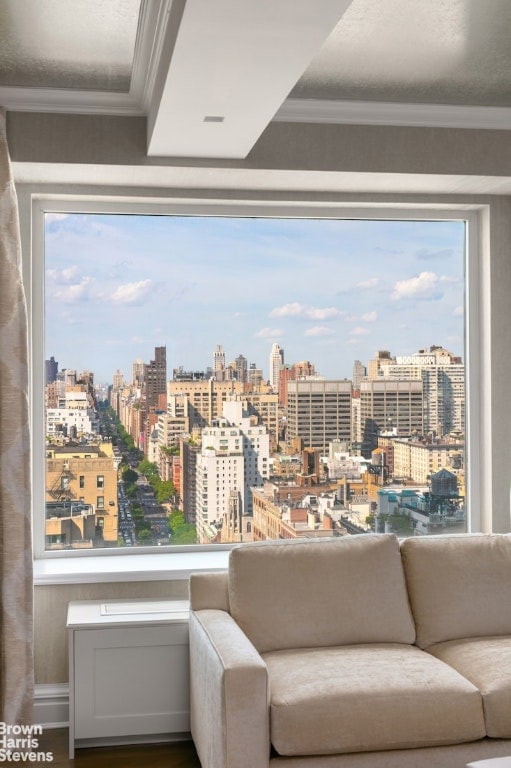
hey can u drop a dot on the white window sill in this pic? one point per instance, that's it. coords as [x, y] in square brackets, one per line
[132, 567]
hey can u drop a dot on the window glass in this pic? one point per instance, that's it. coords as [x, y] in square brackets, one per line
[314, 367]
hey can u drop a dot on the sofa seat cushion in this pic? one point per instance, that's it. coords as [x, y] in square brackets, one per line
[486, 662]
[328, 592]
[361, 698]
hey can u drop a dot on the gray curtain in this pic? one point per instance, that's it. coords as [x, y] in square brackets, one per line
[16, 648]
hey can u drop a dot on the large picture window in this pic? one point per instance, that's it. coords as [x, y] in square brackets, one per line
[234, 378]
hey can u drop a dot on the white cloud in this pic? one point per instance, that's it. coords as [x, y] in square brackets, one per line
[370, 317]
[359, 331]
[423, 286]
[318, 330]
[288, 310]
[63, 276]
[132, 293]
[295, 309]
[268, 333]
[74, 292]
[371, 283]
[459, 311]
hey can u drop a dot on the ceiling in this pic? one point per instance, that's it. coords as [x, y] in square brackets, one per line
[210, 75]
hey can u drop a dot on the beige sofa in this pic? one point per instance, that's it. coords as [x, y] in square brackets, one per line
[354, 652]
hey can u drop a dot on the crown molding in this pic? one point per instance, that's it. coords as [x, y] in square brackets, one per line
[396, 114]
[153, 20]
[68, 101]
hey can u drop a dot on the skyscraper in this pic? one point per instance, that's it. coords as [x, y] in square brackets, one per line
[390, 405]
[319, 411]
[443, 378]
[241, 368]
[138, 373]
[276, 362]
[234, 458]
[118, 380]
[156, 377]
[51, 368]
[219, 363]
[359, 372]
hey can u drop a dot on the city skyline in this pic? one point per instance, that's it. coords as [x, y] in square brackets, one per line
[328, 291]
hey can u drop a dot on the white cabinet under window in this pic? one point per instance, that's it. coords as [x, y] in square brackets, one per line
[128, 671]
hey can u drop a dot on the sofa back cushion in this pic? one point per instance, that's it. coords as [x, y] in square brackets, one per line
[329, 592]
[459, 586]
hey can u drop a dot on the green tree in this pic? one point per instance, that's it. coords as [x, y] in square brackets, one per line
[129, 476]
[180, 531]
[164, 490]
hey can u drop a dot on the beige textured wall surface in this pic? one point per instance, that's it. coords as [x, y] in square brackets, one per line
[50, 613]
[91, 155]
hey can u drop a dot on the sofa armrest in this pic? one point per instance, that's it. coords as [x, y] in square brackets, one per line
[229, 696]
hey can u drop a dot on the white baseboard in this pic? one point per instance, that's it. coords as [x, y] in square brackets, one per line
[51, 705]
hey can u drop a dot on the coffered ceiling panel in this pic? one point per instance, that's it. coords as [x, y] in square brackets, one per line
[415, 51]
[78, 44]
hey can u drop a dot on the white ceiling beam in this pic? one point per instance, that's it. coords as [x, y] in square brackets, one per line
[232, 65]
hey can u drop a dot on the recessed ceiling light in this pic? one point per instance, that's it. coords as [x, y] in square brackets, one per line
[213, 119]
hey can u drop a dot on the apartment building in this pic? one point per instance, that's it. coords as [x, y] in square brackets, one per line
[319, 411]
[275, 364]
[156, 377]
[443, 377]
[86, 474]
[206, 398]
[234, 457]
[386, 406]
[418, 461]
[291, 511]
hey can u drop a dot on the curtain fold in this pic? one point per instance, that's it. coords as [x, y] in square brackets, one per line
[16, 591]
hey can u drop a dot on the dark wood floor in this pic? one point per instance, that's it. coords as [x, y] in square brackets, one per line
[177, 755]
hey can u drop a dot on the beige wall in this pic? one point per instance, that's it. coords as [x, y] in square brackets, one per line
[50, 612]
[290, 163]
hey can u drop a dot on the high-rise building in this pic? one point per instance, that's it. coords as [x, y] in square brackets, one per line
[118, 380]
[51, 368]
[319, 411]
[156, 377]
[206, 397]
[69, 377]
[188, 454]
[390, 406]
[138, 373]
[376, 367]
[443, 378]
[287, 373]
[276, 362]
[359, 372]
[219, 363]
[241, 368]
[234, 457]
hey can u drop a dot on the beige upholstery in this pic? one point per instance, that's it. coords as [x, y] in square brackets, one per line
[458, 585]
[486, 662]
[209, 590]
[303, 655]
[303, 594]
[367, 697]
[228, 694]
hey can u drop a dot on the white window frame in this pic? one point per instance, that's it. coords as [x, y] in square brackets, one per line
[150, 563]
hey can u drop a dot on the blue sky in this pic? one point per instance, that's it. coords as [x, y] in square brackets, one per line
[328, 291]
